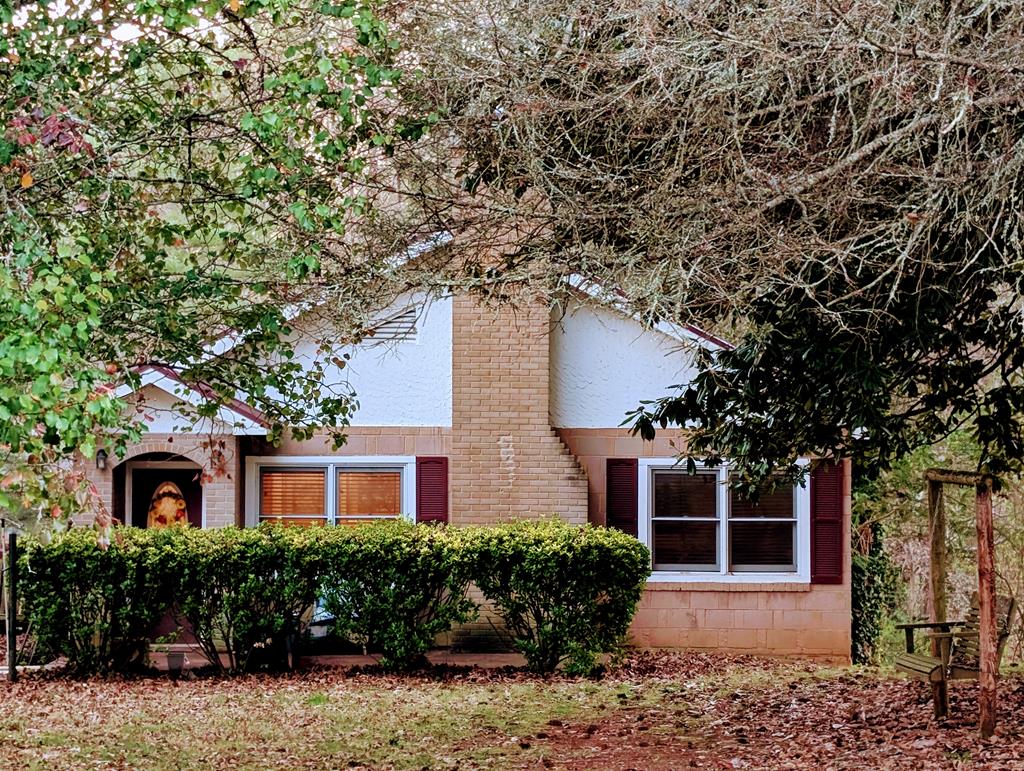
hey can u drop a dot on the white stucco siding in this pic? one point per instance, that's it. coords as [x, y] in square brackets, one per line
[604, 363]
[397, 383]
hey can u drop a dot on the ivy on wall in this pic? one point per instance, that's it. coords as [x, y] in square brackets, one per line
[876, 586]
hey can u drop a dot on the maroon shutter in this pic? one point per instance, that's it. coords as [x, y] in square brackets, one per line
[621, 474]
[827, 536]
[432, 489]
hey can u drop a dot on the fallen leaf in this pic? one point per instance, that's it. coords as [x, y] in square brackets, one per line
[26, 180]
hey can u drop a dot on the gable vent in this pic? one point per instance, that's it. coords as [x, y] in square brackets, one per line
[401, 326]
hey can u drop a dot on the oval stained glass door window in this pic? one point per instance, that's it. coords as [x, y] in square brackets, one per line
[167, 507]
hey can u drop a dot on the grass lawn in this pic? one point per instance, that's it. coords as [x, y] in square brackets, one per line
[657, 711]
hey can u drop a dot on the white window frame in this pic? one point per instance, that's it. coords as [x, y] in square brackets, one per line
[332, 464]
[131, 465]
[645, 505]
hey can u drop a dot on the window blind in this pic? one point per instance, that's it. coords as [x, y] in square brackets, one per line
[369, 494]
[295, 496]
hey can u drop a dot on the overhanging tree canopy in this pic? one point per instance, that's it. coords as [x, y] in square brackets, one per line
[173, 172]
[835, 187]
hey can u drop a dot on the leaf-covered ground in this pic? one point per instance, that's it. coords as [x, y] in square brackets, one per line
[659, 711]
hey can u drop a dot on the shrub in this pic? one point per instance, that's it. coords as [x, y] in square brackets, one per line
[394, 587]
[248, 591]
[97, 606]
[876, 583]
[565, 593]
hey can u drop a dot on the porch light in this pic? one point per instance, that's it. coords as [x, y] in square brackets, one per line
[101, 460]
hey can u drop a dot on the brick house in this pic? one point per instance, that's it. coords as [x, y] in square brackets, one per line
[472, 414]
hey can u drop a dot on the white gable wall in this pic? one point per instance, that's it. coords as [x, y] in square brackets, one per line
[401, 382]
[604, 363]
[166, 413]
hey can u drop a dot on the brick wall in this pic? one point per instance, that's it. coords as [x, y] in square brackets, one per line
[769, 619]
[593, 446]
[506, 461]
[772, 619]
[221, 503]
[362, 440]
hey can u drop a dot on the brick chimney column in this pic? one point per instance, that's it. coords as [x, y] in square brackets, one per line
[506, 461]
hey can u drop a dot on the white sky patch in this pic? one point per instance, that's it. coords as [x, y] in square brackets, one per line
[124, 33]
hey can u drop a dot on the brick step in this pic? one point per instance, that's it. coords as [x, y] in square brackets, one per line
[570, 459]
[563, 457]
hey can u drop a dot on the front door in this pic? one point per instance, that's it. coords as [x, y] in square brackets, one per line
[156, 492]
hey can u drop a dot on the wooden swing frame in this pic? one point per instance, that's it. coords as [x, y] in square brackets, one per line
[988, 676]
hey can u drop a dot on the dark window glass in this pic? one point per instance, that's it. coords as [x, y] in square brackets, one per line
[685, 545]
[762, 545]
[686, 528]
[678, 494]
[770, 505]
[684, 522]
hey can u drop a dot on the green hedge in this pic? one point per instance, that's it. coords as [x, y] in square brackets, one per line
[247, 592]
[94, 606]
[394, 586]
[566, 594]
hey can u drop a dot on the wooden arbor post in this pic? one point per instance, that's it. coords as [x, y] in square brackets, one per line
[938, 606]
[988, 656]
[937, 552]
[11, 602]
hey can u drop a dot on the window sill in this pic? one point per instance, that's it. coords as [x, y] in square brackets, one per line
[660, 581]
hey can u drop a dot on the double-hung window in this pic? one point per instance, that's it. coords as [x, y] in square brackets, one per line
[696, 525]
[329, 490]
[685, 524]
[762, 534]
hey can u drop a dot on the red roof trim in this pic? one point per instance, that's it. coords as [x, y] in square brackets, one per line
[708, 336]
[233, 404]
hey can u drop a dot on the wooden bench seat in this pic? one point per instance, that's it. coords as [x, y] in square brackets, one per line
[957, 646]
[922, 667]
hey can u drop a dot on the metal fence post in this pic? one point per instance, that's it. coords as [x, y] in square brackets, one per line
[11, 602]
